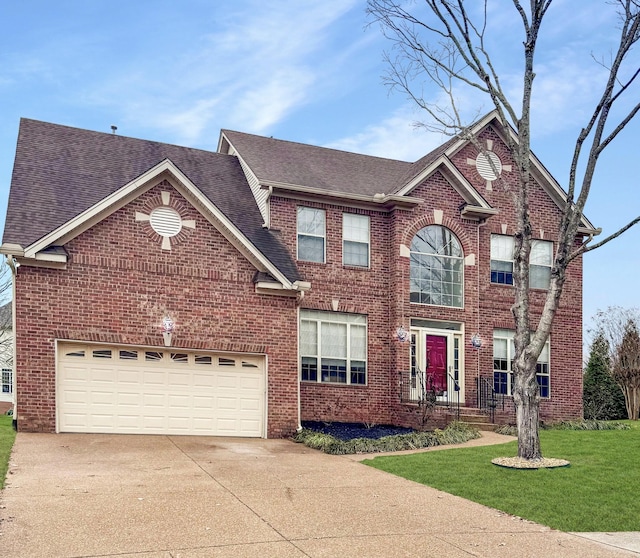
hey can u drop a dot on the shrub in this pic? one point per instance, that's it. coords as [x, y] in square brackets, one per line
[507, 430]
[587, 425]
[602, 397]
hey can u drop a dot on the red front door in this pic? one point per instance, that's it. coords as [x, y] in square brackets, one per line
[437, 362]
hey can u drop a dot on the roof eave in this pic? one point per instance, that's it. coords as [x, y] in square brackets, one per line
[386, 202]
[120, 197]
[11, 249]
[477, 213]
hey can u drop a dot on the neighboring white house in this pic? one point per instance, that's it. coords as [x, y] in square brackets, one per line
[6, 358]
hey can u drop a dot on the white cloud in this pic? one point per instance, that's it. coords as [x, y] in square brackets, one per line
[395, 137]
[260, 62]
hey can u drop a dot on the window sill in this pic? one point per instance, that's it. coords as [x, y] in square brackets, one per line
[534, 289]
[334, 384]
[355, 267]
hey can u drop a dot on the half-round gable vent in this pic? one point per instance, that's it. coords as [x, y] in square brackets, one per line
[484, 167]
[165, 221]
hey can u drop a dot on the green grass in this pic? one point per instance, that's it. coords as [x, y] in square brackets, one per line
[7, 436]
[597, 492]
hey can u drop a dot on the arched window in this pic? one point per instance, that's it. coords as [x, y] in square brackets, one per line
[437, 265]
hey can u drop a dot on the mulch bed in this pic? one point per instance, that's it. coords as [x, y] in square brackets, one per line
[350, 430]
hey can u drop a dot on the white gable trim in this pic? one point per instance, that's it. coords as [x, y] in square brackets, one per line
[118, 199]
[453, 176]
[549, 184]
[261, 196]
[100, 210]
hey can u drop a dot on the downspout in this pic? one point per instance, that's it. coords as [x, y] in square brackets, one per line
[13, 265]
[480, 225]
[300, 297]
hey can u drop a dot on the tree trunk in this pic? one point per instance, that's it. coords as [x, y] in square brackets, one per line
[632, 401]
[527, 415]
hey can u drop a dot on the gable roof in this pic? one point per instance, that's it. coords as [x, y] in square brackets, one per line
[61, 172]
[321, 168]
[296, 167]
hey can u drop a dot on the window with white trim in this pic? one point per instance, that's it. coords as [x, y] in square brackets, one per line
[502, 258]
[355, 240]
[311, 234]
[333, 347]
[437, 266]
[7, 381]
[503, 354]
[540, 260]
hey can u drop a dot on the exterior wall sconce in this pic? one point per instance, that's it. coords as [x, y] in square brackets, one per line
[476, 341]
[167, 329]
[402, 334]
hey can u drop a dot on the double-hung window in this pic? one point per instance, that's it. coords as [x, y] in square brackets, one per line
[503, 354]
[7, 380]
[502, 259]
[355, 240]
[540, 260]
[333, 347]
[311, 234]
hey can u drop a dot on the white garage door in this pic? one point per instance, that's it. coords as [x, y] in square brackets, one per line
[132, 390]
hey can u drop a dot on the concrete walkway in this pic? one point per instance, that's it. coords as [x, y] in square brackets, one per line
[82, 495]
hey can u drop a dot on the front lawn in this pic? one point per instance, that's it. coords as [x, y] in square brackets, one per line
[7, 436]
[597, 492]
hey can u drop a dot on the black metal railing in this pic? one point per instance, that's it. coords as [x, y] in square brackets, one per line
[488, 398]
[420, 388]
[453, 396]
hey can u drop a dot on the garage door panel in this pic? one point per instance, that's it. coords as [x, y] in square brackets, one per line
[76, 373]
[157, 400]
[249, 405]
[76, 397]
[104, 421]
[204, 380]
[154, 377]
[129, 376]
[127, 399]
[159, 392]
[129, 422]
[102, 398]
[179, 381]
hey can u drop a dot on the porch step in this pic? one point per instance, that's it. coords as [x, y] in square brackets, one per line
[475, 418]
[484, 426]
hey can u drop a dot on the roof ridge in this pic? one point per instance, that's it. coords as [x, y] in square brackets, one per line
[109, 134]
[310, 145]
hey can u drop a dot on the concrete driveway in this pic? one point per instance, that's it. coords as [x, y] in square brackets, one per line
[83, 495]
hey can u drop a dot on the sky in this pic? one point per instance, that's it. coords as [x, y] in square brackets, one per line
[308, 71]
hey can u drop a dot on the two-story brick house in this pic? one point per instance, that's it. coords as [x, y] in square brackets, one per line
[162, 289]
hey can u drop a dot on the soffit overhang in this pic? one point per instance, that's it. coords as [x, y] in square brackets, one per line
[378, 202]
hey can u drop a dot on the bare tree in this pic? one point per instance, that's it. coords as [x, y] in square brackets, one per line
[6, 320]
[621, 327]
[445, 42]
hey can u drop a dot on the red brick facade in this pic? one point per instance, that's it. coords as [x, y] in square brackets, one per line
[117, 287]
[118, 284]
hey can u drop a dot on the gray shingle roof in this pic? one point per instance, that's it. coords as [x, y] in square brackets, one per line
[60, 171]
[317, 167]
